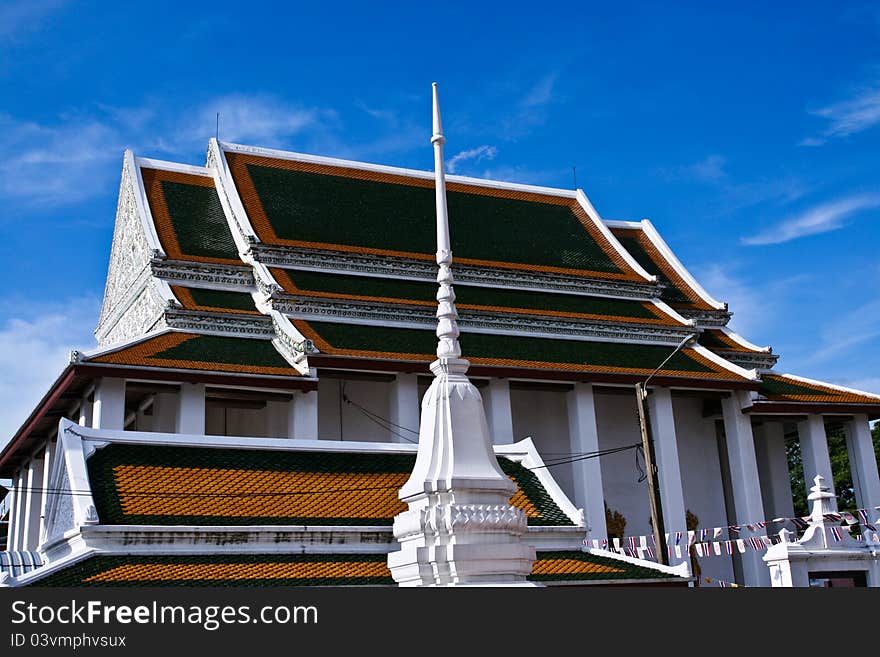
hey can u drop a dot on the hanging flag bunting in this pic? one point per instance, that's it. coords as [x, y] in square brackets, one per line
[716, 546]
[699, 548]
[863, 515]
[836, 533]
[849, 518]
[734, 528]
[716, 533]
[761, 524]
[704, 534]
[632, 543]
[751, 528]
[616, 543]
[678, 552]
[728, 547]
[831, 517]
[678, 536]
[870, 527]
[692, 537]
[800, 523]
[643, 542]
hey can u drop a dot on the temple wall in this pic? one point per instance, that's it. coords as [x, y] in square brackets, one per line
[701, 477]
[542, 415]
[374, 396]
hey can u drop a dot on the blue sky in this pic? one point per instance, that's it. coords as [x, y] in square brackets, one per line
[748, 135]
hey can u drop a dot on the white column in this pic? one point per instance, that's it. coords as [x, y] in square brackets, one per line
[584, 437]
[108, 411]
[773, 470]
[304, 409]
[16, 516]
[668, 467]
[191, 409]
[863, 463]
[744, 480]
[278, 414]
[814, 452]
[13, 505]
[165, 409]
[85, 412]
[405, 408]
[44, 498]
[30, 536]
[498, 412]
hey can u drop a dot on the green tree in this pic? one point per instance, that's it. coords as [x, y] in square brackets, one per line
[843, 484]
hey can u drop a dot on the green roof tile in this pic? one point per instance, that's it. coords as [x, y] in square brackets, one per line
[779, 387]
[671, 294]
[198, 220]
[395, 288]
[508, 347]
[330, 209]
[222, 299]
[229, 350]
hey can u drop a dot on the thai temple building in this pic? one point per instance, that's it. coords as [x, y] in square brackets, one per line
[253, 405]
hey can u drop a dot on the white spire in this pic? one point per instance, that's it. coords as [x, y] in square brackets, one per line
[460, 528]
[447, 328]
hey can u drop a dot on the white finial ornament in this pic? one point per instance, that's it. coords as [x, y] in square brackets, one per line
[460, 528]
[447, 327]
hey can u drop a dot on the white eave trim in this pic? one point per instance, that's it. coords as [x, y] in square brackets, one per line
[612, 240]
[751, 375]
[143, 207]
[118, 346]
[681, 570]
[736, 337]
[396, 171]
[825, 384]
[669, 310]
[165, 165]
[679, 268]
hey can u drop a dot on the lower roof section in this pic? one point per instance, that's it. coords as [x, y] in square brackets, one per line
[567, 566]
[790, 395]
[384, 343]
[153, 484]
[178, 350]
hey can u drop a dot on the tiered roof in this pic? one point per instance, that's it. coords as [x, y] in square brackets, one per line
[171, 511]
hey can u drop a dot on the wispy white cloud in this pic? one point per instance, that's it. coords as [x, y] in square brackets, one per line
[541, 93]
[756, 309]
[258, 119]
[21, 17]
[525, 175]
[35, 342]
[709, 169]
[820, 219]
[531, 110]
[478, 154]
[848, 117]
[847, 331]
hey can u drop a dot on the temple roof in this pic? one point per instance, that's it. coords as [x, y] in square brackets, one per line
[171, 485]
[791, 388]
[318, 203]
[512, 351]
[681, 290]
[317, 570]
[181, 350]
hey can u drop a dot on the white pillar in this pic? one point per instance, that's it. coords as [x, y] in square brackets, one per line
[405, 408]
[668, 467]
[30, 536]
[108, 411]
[13, 506]
[584, 437]
[863, 463]
[304, 409]
[498, 412]
[44, 498]
[191, 409]
[165, 409]
[814, 453]
[85, 412]
[744, 480]
[773, 470]
[16, 515]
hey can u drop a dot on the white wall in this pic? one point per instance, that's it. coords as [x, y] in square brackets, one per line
[701, 477]
[374, 396]
[617, 421]
[543, 415]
